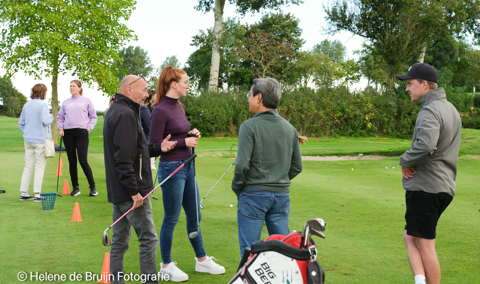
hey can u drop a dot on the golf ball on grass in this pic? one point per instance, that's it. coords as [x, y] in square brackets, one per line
[231, 205]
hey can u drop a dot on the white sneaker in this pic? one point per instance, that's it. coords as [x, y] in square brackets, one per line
[209, 266]
[175, 274]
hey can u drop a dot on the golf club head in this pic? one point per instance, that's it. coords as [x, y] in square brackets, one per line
[201, 205]
[317, 233]
[106, 239]
[59, 194]
[193, 235]
[154, 197]
[317, 224]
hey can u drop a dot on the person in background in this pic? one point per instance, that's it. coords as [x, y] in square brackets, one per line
[268, 158]
[179, 191]
[429, 169]
[145, 119]
[75, 119]
[34, 117]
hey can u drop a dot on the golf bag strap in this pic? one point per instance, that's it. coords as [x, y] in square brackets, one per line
[280, 247]
[315, 273]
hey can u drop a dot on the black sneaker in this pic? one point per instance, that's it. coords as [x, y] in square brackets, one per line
[75, 192]
[28, 197]
[37, 199]
[93, 192]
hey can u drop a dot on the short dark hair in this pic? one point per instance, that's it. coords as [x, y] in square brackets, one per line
[39, 91]
[270, 89]
[431, 84]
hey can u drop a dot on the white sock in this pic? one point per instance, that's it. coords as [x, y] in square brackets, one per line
[37, 194]
[420, 279]
[24, 193]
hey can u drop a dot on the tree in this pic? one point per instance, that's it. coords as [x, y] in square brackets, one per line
[52, 37]
[230, 70]
[372, 67]
[133, 60]
[243, 6]
[333, 49]
[399, 30]
[11, 98]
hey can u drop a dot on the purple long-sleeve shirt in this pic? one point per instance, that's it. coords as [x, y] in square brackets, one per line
[77, 112]
[168, 118]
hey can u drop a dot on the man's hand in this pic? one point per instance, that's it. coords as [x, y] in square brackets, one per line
[137, 200]
[408, 172]
[61, 133]
[168, 145]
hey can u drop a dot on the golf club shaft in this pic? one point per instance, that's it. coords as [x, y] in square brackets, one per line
[59, 159]
[218, 181]
[160, 184]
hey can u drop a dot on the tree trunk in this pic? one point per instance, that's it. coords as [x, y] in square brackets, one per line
[421, 57]
[55, 101]
[218, 33]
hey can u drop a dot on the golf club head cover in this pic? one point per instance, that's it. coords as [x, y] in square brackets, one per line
[315, 273]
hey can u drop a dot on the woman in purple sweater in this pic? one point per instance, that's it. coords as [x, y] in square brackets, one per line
[168, 117]
[75, 119]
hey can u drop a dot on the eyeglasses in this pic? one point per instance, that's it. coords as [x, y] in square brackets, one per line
[141, 77]
[248, 95]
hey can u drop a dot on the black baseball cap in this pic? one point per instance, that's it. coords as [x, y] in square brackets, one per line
[420, 71]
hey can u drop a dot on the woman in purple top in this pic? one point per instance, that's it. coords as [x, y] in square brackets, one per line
[75, 119]
[168, 117]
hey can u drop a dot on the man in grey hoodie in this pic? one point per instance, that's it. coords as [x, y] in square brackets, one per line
[429, 169]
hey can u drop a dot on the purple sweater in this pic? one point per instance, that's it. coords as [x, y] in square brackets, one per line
[168, 118]
[77, 112]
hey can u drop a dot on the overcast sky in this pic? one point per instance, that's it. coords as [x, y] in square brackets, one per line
[165, 28]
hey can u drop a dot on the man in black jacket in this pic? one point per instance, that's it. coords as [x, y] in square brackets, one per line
[129, 178]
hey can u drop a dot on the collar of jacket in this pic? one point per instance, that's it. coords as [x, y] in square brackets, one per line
[119, 98]
[436, 94]
[267, 112]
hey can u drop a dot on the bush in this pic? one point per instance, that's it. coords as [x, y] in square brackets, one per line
[476, 100]
[323, 112]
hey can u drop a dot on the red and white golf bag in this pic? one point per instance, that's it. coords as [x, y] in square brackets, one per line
[280, 259]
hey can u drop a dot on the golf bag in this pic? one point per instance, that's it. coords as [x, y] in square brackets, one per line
[280, 259]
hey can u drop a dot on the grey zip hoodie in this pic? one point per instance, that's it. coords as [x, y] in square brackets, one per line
[435, 146]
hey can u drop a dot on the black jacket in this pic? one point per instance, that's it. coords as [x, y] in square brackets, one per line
[127, 158]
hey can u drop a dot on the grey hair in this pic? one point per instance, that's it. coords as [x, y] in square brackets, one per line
[271, 91]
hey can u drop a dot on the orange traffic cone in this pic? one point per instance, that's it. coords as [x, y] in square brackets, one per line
[61, 162]
[59, 170]
[66, 190]
[105, 278]
[76, 217]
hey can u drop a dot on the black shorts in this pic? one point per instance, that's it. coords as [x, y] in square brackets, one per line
[423, 211]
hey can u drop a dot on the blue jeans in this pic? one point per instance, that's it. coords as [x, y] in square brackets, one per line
[178, 192]
[142, 221]
[256, 206]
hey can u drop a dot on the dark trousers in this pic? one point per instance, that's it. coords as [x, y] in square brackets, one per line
[76, 141]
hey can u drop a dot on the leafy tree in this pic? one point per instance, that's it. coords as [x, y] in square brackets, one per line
[372, 67]
[399, 30]
[243, 6]
[230, 70]
[133, 60]
[333, 49]
[11, 98]
[317, 68]
[52, 37]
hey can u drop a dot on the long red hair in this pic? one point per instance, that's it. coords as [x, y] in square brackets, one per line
[168, 75]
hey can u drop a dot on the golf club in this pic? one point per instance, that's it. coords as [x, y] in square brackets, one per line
[105, 238]
[156, 175]
[317, 224]
[316, 233]
[195, 234]
[201, 204]
[59, 157]
[313, 226]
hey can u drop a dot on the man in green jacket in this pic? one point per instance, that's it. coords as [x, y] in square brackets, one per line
[429, 169]
[268, 158]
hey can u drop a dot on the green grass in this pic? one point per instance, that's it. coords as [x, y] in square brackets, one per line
[363, 209]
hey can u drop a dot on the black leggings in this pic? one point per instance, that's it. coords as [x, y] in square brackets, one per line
[76, 140]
